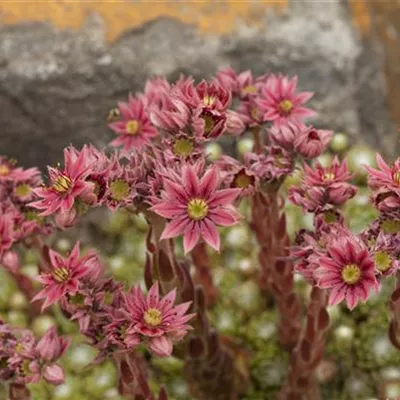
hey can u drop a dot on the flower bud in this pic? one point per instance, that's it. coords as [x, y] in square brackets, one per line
[54, 374]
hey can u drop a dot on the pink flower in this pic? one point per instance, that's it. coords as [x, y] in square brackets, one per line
[212, 96]
[23, 188]
[195, 207]
[9, 172]
[285, 134]
[135, 128]
[243, 84]
[64, 276]
[337, 172]
[271, 166]
[235, 124]
[234, 174]
[51, 346]
[385, 252]
[385, 176]
[120, 189]
[280, 103]
[66, 185]
[156, 92]
[157, 319]
[311, 142]
[250, 112]
[323, 187]
[173, 116]
[385, 184]
[347, 271]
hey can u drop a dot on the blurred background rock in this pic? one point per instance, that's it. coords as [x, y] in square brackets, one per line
[64, 64]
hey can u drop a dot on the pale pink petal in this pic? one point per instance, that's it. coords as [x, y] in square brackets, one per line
[175, 228]
[190, 239]
[224, 197]
[224, 217]
[337, 294]
[190, 181]
[153, 296]
[161, 346]
[169, 210]
[210, 234]
[209, 183]
[175, 191]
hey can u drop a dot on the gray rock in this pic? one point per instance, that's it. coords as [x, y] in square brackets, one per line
[56, 87]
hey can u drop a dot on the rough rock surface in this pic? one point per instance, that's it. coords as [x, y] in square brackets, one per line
[56, 87]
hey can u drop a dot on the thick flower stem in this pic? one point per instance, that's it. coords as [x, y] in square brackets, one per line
[161, 262]
[302, 384]
[394, 327]
[132, 376]
[203, 276]
[19, 392]
[258, 141]
[276, 277]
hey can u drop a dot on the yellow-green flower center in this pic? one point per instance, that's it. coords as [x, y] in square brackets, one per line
[208, 100]
[77, 300]
[32, 215]
[152, 317]
[119, 189]
[390, 226]
[108, 298]
[250, 89]
[329, 176]
[132, 127]
[23, 190]
[26, 367]
[330, 217]
[197, 209]
[286, 106]
[209, 123]
[183, 147]
[254, 113]
[60, 274]
[351, 274]
[383, 261]
[62, 184]
[19, 348]
[396, 178]
[242, 180]
[4, 170]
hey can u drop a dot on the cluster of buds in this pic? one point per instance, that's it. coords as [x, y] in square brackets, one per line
[23, 359]
[18, 219]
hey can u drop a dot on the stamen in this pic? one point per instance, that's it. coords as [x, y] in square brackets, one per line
[197, 209]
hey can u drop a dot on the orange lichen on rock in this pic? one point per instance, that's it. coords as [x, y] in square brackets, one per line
[209, 16]
[360, 14]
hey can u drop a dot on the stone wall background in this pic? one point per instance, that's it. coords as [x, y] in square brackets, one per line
[64, 64]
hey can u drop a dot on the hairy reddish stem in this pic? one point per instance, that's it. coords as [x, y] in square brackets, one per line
[302, 384]
[276, 277]
[132, 376]
[18, 391]
[201, 261]
[394, 327]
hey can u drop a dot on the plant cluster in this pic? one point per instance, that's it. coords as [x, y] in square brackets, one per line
[163, 166]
